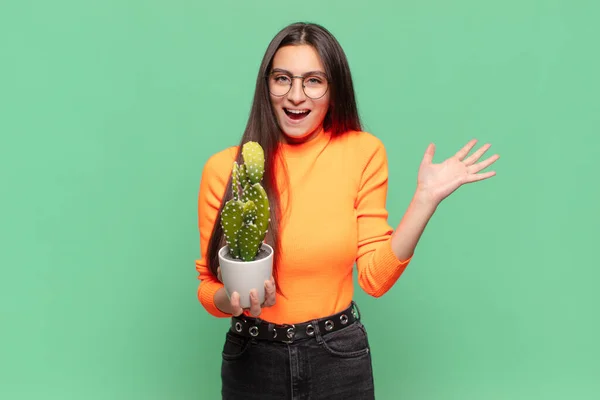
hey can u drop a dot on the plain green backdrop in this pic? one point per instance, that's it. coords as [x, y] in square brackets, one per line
[109, 109]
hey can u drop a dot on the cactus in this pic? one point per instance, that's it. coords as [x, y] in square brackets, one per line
[245, 218]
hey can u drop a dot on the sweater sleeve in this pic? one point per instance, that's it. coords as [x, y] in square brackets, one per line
[212, 187]
[378, 267]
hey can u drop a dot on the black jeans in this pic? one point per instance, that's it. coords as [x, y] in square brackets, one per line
[335, 365]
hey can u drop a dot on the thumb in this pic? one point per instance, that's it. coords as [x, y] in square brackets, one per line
[429, 153]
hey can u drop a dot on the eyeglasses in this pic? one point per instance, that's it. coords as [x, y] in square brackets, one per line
[314, 85]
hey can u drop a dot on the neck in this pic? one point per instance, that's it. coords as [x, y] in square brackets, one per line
[292, 140]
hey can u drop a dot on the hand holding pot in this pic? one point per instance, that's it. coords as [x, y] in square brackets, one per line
[255, 308]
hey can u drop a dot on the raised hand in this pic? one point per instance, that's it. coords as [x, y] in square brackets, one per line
[255, 308]
[438, 181]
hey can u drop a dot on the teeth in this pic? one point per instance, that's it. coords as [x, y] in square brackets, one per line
[297, 111]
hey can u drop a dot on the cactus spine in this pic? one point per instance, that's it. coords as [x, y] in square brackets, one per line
[245, 218]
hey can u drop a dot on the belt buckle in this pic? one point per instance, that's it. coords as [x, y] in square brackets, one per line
[290, 333]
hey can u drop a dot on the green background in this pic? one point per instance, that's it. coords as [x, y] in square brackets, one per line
[109, 109]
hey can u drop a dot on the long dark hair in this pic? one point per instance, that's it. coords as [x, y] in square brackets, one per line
[262, 126]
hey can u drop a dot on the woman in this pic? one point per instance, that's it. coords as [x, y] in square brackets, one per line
[327, 184]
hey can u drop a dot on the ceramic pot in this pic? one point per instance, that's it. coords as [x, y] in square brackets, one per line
[242, 276]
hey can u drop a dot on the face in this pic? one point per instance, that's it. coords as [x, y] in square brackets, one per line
[300, 117]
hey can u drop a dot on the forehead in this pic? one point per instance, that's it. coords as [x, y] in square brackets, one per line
[298, 59]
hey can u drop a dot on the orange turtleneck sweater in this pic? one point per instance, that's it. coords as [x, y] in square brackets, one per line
[335, 219]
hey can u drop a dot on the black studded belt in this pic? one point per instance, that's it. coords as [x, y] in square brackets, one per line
[264, 330]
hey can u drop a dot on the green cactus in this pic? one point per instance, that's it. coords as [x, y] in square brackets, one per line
[245, 218]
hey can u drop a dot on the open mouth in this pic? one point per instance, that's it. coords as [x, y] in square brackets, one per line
[296, 114]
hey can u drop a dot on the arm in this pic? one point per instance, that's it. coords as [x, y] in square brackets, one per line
[211, 292]
[381, 261]
[382, 254]
[435, 182]
[412, 225]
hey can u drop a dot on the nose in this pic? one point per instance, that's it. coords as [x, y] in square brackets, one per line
[296, 94]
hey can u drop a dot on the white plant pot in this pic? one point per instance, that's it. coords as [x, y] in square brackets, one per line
[242, 276]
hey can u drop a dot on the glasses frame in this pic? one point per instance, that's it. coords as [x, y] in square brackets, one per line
[292, 77]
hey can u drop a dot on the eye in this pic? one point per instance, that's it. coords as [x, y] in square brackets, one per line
[313, 80]
[281, 79]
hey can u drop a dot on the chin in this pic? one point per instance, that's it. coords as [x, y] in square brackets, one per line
[298, 133]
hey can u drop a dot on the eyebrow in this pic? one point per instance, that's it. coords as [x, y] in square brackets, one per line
[306, 74]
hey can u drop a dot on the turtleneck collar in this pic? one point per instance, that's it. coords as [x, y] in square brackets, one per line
[316, 143]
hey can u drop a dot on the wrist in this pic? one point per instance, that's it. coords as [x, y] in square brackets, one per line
[222, 302]
[425, 199]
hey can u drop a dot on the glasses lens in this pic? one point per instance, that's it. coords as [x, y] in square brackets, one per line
[315, 86]
[279, 84]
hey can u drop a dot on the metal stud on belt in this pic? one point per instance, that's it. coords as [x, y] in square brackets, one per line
[290, 333]
[328, 325]
[310, 330]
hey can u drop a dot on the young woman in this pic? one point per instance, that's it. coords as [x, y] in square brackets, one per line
[327, 184]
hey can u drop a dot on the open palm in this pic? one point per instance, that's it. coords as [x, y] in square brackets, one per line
[440, 180]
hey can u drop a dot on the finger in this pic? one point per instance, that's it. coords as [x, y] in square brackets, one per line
[254, 305]
[480, 177]
[462, 153]
[219, 277]
[235, 304]
[473, 169]
[429, 153]
[477, 155]
[269, 294]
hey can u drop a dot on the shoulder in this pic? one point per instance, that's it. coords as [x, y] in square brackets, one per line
[218, 166]
[223, 158]
[364, 146]
[364, 141]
